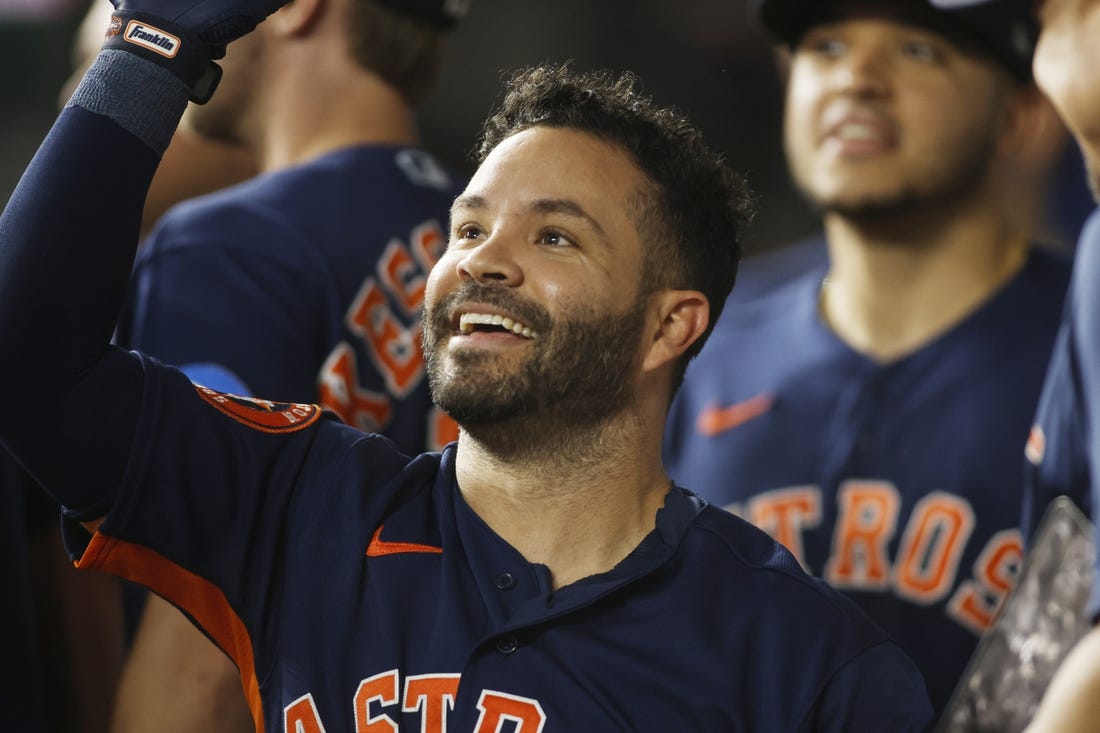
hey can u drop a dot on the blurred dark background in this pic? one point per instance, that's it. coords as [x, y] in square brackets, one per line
[702, 56]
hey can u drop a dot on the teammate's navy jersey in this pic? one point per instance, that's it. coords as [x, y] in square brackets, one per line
[898, 483]
[357, 591]
[1062, 458]
[305, 285]
[761, 274]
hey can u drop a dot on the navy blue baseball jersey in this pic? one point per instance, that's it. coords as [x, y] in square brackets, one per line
[357, 591]
[898, 483]
[305, 285]
[352, 585]
[1062, 458]
[771, 270]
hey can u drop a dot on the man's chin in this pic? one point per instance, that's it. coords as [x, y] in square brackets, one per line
[477, 399]
[864, 206]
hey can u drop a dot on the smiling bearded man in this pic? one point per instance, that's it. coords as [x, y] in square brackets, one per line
[574, 377]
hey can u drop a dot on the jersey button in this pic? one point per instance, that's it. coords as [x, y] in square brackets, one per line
[507, 644]
[506, 581]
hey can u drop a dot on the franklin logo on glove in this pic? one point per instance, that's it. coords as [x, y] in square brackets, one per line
[154, 39]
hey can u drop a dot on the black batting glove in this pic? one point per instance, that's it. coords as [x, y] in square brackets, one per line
[185, 36]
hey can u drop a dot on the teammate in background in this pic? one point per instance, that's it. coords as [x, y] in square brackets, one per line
[62, 645]
[1064, 449]
[303, 284]
[65, 643]
[192, 165]
[1047, 200]
[537, 559]
[867, 414]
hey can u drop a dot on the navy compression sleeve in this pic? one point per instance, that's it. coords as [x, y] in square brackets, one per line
[67, 240]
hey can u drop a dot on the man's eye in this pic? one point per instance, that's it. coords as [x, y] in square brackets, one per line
[555, 238]
[824, 46]
[921, 51]
[468, 231]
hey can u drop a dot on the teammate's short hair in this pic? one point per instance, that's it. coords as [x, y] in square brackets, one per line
[692, 216]
[401, 41]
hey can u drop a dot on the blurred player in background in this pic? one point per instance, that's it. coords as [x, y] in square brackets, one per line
[1046, 196]
[1063, 449]
[303, 284]
[867, 414]
[66, 629]
[193, 165]
[63, 641]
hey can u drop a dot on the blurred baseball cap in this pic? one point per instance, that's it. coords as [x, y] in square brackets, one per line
[440, 13]
[1004, 29]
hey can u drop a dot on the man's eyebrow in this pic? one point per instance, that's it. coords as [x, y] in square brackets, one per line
[541, 206]
[569, 208]
[468, 201]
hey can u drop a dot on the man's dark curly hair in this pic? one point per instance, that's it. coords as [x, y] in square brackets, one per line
[692, 216]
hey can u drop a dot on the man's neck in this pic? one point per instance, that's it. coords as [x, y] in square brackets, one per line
[895, 285]
[577, 514]
[306, 123]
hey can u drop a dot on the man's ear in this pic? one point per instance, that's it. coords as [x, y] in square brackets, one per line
[682, 317]
[297, 17]
[1030, 146]
[1034, 135]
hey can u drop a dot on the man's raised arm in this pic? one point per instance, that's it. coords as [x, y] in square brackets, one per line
[68, 235]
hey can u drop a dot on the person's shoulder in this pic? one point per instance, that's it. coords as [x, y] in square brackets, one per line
[1088, 248]
[784, 314]
[755, 564]
[378, 177]
[1048, 264]
[1091, 229]
[764, 273]
[747, 544]
[379, 456]
[257, 202]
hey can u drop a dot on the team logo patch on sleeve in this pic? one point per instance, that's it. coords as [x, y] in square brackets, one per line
[264, 415]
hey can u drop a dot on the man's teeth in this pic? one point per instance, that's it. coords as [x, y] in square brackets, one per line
[856, 131]
[467, 321]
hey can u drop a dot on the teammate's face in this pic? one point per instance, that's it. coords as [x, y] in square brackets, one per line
[226, 116]
[881, 115]
[543, 239]
[1066, 63]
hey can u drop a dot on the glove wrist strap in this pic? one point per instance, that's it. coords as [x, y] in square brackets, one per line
[167, 45]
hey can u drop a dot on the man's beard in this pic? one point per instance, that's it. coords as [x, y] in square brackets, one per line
[576, 376]
[966, 176]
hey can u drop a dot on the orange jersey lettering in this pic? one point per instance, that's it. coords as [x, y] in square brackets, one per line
[866, 522]
[402, 278]
[497, 708]
[434, 696]
[785, 513]
[301, 716]
[340, 392]
[928, 558]
[428, 242]
[381, 689]
[977, 602]
[394, 349]
[441, 429]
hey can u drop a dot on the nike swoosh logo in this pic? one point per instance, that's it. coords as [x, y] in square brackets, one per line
[379, 547]
[715, 420]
